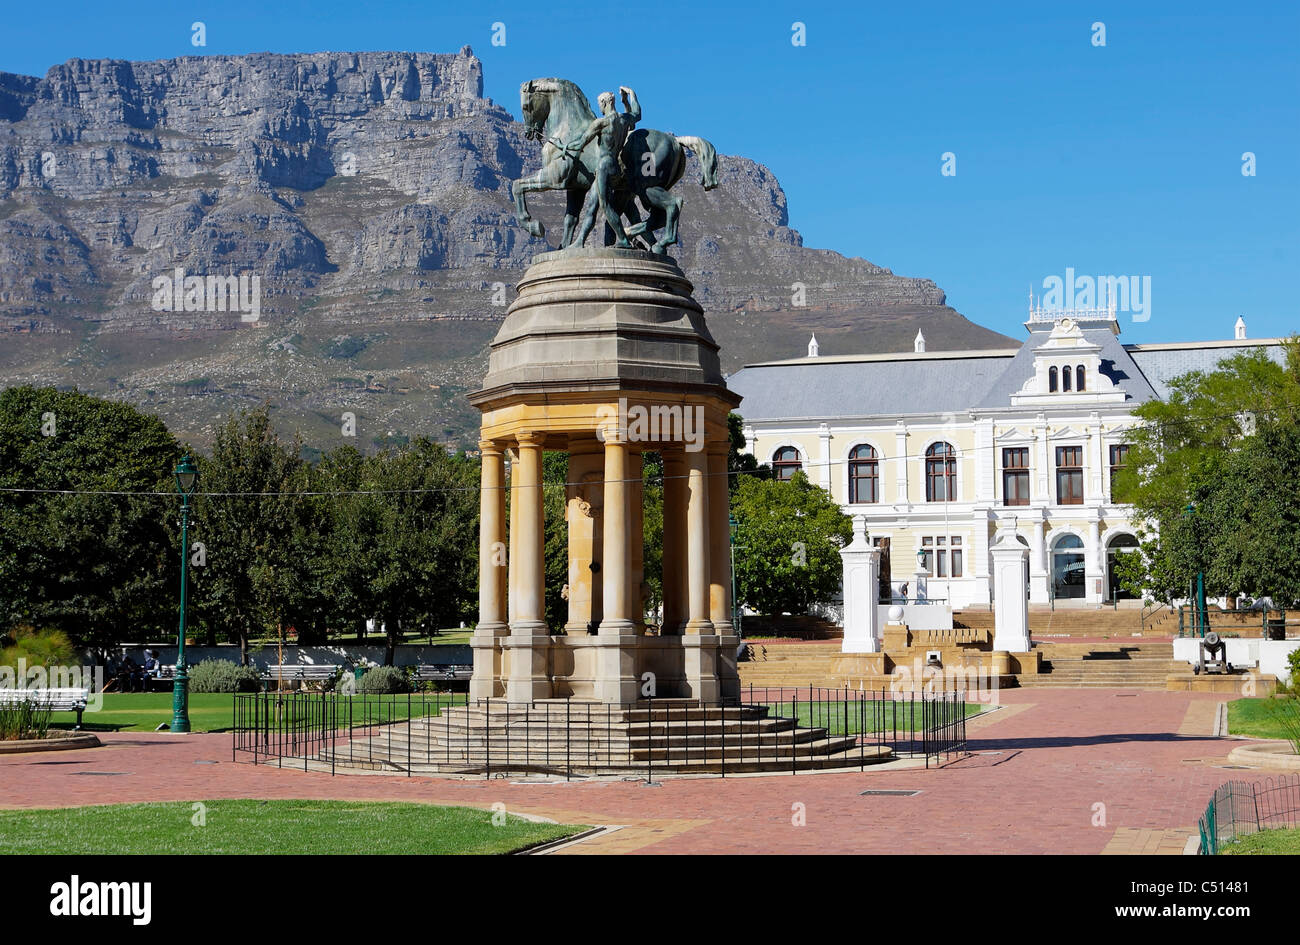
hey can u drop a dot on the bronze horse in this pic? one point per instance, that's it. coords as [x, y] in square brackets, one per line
[557, 113]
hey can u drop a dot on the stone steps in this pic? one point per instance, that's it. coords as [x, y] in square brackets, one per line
[552, 737]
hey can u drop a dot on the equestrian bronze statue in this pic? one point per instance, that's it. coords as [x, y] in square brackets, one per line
[624, 164]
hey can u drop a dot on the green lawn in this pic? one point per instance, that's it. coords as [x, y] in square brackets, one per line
[214, 712]
[865, 717]
[260, 827]
[1259, 718]
[1267, 842]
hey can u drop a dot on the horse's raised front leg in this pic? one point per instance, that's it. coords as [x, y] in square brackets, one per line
[522, 187]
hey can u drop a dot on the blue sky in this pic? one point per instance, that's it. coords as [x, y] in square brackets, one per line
[1117, 160]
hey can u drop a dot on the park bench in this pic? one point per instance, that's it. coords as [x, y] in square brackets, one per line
[300, 672]
[443, 672]
[56, 700]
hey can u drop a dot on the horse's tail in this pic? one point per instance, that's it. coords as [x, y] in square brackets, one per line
[708, 159]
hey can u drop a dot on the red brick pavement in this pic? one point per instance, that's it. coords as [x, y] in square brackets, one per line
[1041, 765]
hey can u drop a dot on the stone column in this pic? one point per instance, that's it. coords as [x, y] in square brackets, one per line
[861, 592]
[824, 477]
[528, 643]
[719, 541]
[582, 512]
[512, 573]
[616, 570]
[1038, 576]
[636, 538]
[492, 575]
[1093, 569]
[699, 642]
[1010, 606]
[616, 663]
[697, 544]
[674, 553]
[900, 450]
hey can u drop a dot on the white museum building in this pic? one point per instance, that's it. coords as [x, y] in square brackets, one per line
[940, 449]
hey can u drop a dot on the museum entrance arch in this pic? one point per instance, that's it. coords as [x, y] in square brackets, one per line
[1067, 567]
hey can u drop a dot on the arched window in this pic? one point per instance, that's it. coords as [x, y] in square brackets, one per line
[940, 473]
[1051, 380]
[786, 462]
[1065, 378]
[864, 475]
[1078, 377]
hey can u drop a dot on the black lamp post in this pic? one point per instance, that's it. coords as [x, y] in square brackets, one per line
[1198, 599]
[187, 476]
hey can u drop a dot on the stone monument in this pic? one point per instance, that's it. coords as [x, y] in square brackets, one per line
[605, 355]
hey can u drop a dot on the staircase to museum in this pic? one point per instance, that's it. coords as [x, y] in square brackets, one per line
[1082, 622]
[1090, 666]
[589, 739]
[1137, 665]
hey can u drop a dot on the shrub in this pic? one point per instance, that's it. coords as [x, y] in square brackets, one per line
[37, 647]
[384, 679]
[224, 676]
[19, 720]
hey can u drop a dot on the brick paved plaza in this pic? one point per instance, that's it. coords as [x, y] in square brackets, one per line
[1040, 763]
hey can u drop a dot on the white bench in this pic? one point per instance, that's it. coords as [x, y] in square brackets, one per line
[301, 672]
[53, 700]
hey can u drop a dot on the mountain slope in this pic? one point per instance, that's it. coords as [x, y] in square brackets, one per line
[369, 193]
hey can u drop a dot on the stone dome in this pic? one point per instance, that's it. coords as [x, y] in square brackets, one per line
[602, 319]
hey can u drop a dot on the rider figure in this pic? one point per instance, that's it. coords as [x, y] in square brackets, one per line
[610, 131]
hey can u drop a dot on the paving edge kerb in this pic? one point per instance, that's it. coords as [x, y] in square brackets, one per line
[73, 743]
[1280, 756]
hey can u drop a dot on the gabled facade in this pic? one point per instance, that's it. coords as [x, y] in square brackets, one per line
[938, 450]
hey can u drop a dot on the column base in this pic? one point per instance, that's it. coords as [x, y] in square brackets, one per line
[701, 663]
[527, 657]
[698, 628]
[486, 683]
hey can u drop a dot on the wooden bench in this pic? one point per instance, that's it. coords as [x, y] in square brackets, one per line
[300, 672]
[55, 700]
[443, 672]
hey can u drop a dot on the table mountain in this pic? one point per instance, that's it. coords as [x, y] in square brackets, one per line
[369, 193]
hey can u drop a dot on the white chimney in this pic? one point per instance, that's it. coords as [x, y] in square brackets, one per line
[1239, 330]
[813, 347]
[918, 345]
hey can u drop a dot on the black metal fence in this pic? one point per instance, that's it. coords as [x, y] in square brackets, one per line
[445, 733]
[1241, 808]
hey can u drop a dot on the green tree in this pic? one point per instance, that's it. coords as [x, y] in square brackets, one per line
[245, 512]
[1226, 444]
[101, 568]
[413, 539]
[787, 544]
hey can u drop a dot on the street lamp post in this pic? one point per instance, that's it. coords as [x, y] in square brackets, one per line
[187, 476]
[1198, 601]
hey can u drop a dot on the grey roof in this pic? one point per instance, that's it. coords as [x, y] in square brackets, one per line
[825, 388]
[1161, 364]
[1116, 363]
[941, 382]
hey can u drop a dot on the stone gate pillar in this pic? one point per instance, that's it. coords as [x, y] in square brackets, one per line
[1011, 599]
[861, 592]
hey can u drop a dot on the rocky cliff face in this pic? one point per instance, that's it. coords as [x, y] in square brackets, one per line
[369, 193]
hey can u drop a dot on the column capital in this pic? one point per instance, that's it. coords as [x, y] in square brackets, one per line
[492, 447]
[529, 438]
